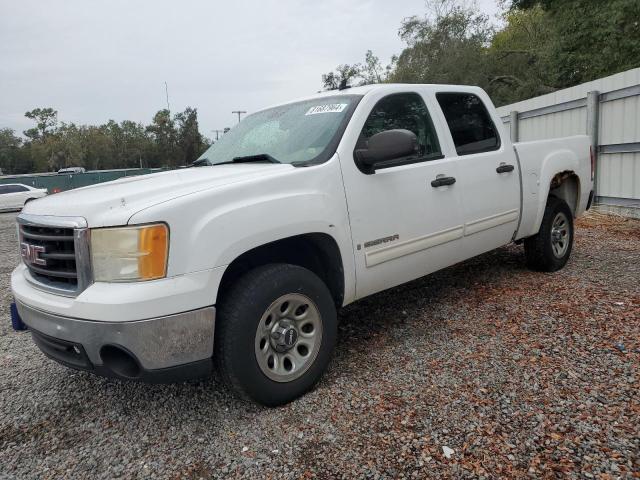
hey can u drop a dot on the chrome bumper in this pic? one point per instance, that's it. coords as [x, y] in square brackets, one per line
[155, 344]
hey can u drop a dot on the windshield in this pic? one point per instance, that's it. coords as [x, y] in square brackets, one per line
[294, 133]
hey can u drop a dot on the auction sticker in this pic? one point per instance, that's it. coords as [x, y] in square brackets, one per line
[330, 108]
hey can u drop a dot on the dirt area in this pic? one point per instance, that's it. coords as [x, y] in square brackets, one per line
[516, 373]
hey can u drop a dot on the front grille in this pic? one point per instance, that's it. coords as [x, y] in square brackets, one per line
[57, 259]
[55, 251]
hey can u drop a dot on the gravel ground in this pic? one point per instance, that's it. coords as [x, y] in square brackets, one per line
[520, 374]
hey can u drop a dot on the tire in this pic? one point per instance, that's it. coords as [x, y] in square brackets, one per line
[254, 342]
[550, 248]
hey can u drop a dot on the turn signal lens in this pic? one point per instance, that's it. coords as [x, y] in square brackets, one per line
[153, 244]
[129, 254]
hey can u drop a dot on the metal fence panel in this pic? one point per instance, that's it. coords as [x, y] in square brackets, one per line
[564, 113]
[59, 183]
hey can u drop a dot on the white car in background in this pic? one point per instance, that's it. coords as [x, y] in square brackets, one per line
[14, 196]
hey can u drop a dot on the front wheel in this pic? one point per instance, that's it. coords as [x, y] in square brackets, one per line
[550, 248]
[276, 329]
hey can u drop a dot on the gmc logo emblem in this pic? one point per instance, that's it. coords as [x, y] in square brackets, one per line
[31, 254]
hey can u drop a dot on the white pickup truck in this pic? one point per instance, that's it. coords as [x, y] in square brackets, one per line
[305, 207]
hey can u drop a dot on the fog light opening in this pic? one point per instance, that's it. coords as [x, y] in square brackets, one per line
[119, 361]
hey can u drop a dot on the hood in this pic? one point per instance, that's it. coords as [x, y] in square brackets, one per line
[113, 203]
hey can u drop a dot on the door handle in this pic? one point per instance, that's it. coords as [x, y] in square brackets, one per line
[503, 168]
[442, 181]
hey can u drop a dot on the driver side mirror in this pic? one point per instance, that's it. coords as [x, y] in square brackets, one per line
[386, 146]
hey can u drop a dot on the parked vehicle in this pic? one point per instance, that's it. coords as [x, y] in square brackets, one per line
[71, 170]
[14, 196]
[307, 206]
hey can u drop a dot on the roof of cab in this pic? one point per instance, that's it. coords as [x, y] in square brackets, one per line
[391, 87]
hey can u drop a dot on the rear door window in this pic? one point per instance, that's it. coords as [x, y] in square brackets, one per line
[469, 121]
[15, 189]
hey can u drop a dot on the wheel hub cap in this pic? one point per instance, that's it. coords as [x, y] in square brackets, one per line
[288, 337]
[283, 336]
[560, 235]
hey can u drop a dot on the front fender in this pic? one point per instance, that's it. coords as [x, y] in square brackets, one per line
[212, 228]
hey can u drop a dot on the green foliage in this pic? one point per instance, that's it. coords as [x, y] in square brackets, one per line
[448, 46]
[371, 71]
[190, 141]
[520, 57]
[544, 45]
[10, 151]
[343, 73]
[51, 145]
[595, 38]
[46, 120]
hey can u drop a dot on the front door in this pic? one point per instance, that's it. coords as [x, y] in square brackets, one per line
[403, 227]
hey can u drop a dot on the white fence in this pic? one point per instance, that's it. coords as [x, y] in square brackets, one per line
[607, 109]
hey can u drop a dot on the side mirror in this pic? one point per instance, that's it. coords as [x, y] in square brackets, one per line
[385, 146]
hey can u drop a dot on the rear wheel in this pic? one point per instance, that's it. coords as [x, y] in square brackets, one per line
[275, 331]
[550, 249]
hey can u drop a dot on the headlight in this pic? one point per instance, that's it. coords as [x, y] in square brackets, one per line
[129, 254]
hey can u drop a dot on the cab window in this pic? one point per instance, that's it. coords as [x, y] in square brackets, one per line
[403, 111]
[469, 121]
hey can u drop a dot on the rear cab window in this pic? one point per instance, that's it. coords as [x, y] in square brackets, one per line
[470, 124]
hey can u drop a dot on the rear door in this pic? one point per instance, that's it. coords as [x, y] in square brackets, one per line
[5, 201]
[488, 172]
[17, 195]
[402, 226]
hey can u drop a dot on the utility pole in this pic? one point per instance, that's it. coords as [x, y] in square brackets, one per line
[239, 112]
[166, 91]
[217, 132]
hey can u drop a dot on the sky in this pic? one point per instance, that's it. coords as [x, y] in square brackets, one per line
[109, 59]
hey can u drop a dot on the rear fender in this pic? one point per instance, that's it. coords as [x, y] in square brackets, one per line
[555, 163]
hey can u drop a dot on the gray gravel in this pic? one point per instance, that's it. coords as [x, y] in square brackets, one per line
[520, 374]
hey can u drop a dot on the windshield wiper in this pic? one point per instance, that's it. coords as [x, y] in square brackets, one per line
[260, 157]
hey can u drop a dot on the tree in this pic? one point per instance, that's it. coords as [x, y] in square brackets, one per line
[543, 46]
[165, 135]
[371, 71]
[10, 153]
[343, 74]
[593, 38]
[190, 140]
[448, 45]
[52, 145]
[46, 121]
[520, 57]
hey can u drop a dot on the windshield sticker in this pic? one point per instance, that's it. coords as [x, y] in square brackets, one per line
[331, 108]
